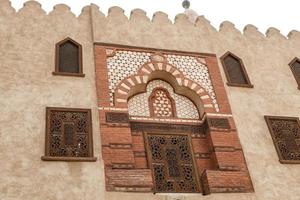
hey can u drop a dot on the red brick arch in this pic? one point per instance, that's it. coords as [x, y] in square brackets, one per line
[134, 84]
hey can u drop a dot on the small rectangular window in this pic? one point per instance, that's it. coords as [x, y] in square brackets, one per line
[68, 135]
[285, 132]
[235, 71]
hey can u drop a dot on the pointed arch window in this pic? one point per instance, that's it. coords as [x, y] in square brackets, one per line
[68, 59]
[295, 67]
[161, 104]
[235, 71]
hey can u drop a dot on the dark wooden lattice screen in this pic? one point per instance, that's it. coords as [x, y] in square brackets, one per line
[295, 67]
[68, 133]
[172, 163]
[69, 57]
[285, 132]
[234, 70]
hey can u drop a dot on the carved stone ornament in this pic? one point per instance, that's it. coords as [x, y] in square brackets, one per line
[157, 57]
[113, 117]
[220, 123]
[110, 52]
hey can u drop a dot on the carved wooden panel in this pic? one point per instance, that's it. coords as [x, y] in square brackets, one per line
[221, 123]
[172, 163]
[235, 71]
[113, 117]
[285, 132]
[69, 133]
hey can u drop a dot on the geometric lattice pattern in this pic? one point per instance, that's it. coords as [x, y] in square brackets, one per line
[194, 70]
[122, 65]
[126, 63]
[172, 163]
[138, 104]
[68, 133]
[285, 132]
[161, 104]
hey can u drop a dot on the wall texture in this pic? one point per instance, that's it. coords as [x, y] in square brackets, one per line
[27, 86]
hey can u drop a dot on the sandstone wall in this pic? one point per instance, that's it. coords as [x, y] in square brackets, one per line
[27, 86]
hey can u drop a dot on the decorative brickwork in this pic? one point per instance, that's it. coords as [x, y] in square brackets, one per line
[122, 64]
[195, 69]
[166, 95]
[184, 107]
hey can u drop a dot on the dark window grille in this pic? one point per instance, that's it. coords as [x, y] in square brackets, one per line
[295, 67]
[68, 135]
[68, 58]
[235, 71]
[285, 132]
[172, 164]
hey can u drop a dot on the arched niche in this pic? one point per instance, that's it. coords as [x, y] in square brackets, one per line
[178, 89]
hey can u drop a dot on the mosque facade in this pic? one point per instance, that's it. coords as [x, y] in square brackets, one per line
[115, 107]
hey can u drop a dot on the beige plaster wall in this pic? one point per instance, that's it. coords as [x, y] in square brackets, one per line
[27, 86]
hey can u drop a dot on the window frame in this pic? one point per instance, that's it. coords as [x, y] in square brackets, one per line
[47, 156]
[296, 59]
[229, 83]
[57, 49]
[267, 119]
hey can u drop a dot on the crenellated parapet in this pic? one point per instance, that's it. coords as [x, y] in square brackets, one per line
[116, 19]
[34, 27]
[6, 8]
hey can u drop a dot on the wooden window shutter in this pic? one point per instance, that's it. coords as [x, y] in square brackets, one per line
[235, 71]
